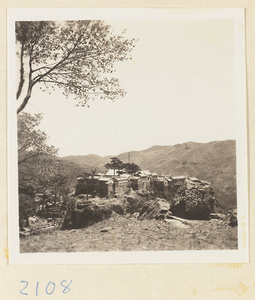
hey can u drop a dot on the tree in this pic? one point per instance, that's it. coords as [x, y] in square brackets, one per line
[36, 159]
[131, 168]
[59, 186]
[115, 164]
[76, 56]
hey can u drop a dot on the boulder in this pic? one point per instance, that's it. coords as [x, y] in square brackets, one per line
[194, 200]
[155, 209]
[135, 202]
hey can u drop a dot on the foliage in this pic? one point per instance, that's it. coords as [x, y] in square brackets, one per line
[59, 186]
[76, 56]
[115, 164]
[36, 160]
[132, 168]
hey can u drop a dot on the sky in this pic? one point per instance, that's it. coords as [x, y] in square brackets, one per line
[180, 87]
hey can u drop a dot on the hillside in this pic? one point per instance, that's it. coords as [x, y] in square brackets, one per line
[70, 169]
[214, 162]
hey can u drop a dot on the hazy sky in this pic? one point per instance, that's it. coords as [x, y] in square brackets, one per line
[180, 87]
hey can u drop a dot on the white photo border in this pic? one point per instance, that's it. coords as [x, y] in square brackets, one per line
[241, 255]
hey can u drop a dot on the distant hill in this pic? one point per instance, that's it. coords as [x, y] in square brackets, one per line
[214, 162]
[88, 162]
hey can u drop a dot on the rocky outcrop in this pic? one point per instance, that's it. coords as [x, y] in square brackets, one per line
[195, 200]
[135, 201]
[88, 212]
[155, 209]
[80, 218]
[231, 217]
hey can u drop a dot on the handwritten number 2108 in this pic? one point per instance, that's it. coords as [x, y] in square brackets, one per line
[50, 287]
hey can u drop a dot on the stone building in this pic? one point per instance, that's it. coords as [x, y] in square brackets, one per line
[105, 188]
[136, 183]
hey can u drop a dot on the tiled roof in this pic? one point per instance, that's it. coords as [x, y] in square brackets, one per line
[111, 172]
[178, 177]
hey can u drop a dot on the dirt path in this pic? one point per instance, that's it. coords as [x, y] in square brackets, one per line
[126, 234]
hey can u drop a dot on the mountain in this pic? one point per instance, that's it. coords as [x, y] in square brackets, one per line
[88, 162]
[214, 162]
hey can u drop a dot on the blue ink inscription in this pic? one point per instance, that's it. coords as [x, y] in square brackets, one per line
[53, 288]
[65, 291]
[50, 287]
[26, 284]
[36, 291]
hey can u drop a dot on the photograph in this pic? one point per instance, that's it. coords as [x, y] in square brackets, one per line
[129, 131]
